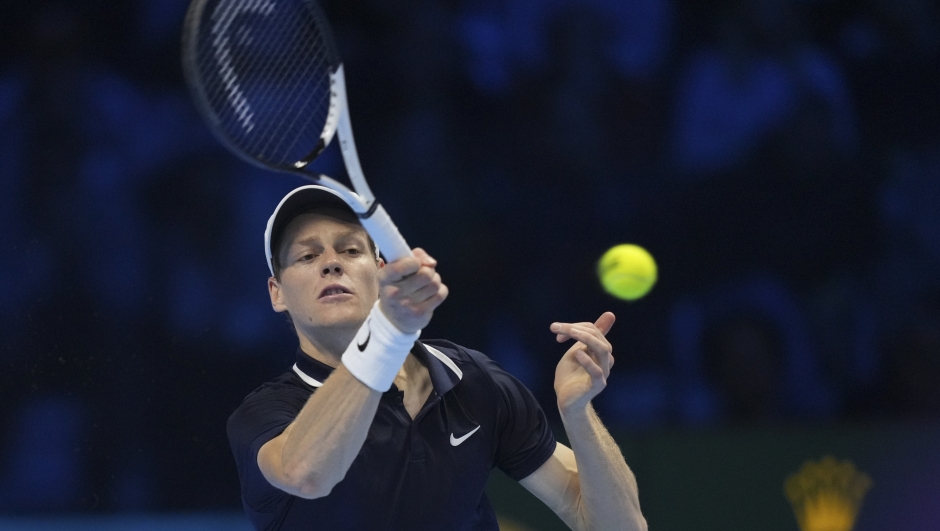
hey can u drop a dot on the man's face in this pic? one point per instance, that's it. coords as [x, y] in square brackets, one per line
[328, 275]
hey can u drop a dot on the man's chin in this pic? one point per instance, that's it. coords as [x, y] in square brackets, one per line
[340, 320]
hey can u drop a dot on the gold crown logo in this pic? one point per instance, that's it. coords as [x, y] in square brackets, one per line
[827, 495]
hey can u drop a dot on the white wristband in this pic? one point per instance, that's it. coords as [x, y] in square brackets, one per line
[378, 351]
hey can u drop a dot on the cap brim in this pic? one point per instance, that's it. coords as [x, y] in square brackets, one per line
[298, 201]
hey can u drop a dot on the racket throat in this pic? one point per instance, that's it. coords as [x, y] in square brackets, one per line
[368, 213]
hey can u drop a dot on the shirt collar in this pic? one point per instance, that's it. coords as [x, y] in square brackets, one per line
[311, 371]
[444, 373]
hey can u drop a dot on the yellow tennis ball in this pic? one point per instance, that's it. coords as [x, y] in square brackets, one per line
[627, 271]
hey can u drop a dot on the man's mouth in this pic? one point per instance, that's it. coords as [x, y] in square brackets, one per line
[333, 290]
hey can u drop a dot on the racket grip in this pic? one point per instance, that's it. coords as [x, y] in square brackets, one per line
[385, 234]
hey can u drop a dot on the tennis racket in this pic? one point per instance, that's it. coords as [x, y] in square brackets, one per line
[268, 80]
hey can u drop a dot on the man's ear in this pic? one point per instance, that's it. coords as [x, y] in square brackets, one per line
[381, 263]
[277, 299]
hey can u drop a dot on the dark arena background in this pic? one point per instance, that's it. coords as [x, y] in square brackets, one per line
[779, 158]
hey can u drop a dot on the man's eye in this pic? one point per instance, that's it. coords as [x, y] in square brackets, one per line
[307, 257]
[353, 252]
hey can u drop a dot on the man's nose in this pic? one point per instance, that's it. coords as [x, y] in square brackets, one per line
[332, 265]
[333, 268]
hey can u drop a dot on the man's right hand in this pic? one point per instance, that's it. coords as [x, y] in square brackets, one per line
[409, 291]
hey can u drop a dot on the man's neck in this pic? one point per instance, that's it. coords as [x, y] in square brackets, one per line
[413, 375]
[415, 380]
[328, 347]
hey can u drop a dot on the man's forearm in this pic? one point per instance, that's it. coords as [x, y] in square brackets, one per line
[329, 432]
[609, 498]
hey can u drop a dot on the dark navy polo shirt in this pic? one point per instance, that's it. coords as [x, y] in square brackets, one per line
[425, 474]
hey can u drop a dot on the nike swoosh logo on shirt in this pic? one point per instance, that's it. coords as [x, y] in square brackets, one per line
[454, 441]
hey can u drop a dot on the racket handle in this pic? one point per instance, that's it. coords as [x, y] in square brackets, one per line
[385, 234]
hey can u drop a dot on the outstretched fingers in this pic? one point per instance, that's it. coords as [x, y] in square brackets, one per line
[603, 324]
[586, 333]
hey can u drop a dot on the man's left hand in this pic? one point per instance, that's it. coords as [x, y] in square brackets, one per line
[582, 372]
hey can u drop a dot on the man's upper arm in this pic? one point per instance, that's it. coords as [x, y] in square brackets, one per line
[556, 484]
[260, 421]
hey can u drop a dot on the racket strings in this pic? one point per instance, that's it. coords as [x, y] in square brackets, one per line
[294, 106]
[265, 71]
[290, 98]
[301, 101]
[308, 100]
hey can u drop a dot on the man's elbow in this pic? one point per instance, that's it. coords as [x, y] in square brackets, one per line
[311, 491]
[307, 485]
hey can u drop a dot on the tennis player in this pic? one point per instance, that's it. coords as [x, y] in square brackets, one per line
[375, 430]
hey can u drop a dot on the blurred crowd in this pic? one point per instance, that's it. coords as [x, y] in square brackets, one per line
[779, 158]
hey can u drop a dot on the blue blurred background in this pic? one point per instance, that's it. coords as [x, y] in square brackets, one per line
[779, 158]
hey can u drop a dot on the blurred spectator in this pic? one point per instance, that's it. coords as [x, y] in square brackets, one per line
[908, 384]
[847, 328]
[760, 79]
[507, 38]
[909, 249]
[743, 354]
[744, 358]
[909, 202]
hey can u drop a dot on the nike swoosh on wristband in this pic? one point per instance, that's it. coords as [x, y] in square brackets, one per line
[364, 344]
[454, 441]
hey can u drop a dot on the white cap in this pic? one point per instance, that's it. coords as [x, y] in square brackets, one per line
[298, 201]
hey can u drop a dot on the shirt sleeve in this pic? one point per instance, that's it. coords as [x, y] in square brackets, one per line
[263, 415]
[526, 440]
